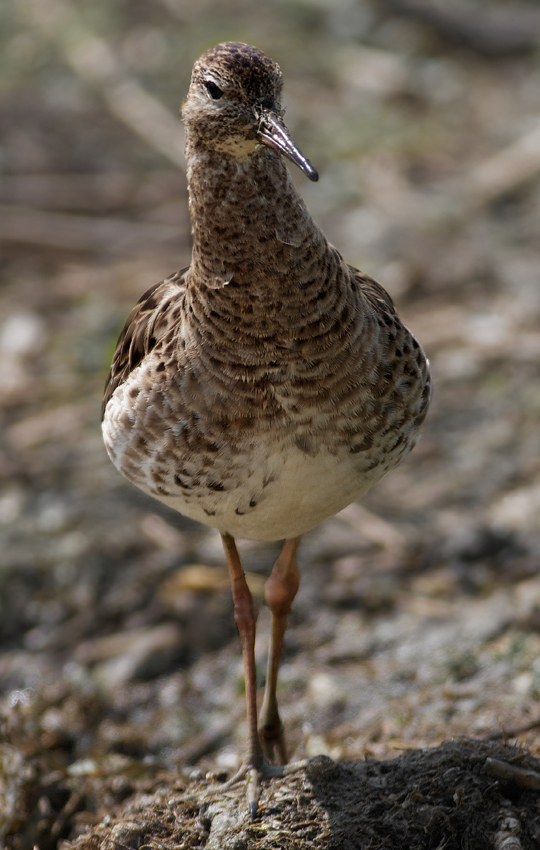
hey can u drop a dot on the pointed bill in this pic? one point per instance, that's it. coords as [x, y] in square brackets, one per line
[273, 133]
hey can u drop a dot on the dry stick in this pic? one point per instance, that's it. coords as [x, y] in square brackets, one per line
[517, 775]
[483, 184]
[492, 31]
[453, 202]
[505, 171]
[83, 233]
[513, 731]
[86, 192]
[92, 60]
[141, 112]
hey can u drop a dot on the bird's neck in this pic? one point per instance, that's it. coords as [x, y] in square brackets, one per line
[248, 221]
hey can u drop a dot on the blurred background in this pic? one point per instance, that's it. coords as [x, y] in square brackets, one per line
[418, 617]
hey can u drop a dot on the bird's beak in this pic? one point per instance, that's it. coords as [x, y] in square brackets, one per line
[273, 133]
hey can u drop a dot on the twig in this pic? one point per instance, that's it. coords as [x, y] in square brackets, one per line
[92, 60]
[460, 198]
[514, 731]
[61, 423]
[374, 528]
[491, 32]
[518, 775]
[505, 171]
[92, 192]
[83, 233]
[207, 741]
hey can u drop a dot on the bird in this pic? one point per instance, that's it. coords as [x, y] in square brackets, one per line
[269, 384]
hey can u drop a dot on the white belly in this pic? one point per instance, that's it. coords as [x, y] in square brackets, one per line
[304, 491]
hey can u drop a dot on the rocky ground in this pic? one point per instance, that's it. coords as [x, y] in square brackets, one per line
[418, 618]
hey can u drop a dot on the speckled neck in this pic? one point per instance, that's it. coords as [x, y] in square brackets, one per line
[263, 277]
[248, 221]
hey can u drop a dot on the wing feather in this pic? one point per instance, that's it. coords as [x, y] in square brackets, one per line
[146, 324]
[375, 293]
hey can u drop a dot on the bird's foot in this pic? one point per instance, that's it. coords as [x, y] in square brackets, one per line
[256, 775]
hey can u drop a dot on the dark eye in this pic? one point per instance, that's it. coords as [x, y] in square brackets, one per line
[213, 90]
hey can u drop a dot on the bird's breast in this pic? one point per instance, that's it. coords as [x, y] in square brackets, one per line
[262, 459]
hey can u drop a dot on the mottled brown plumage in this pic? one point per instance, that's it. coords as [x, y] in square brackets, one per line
[268, 385]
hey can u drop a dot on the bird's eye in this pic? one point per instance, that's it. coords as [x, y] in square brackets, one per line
[213, 90]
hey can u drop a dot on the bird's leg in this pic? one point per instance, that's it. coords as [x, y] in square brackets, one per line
[245, 615]
[279, 592]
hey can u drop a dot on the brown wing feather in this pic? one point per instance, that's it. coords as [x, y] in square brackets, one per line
[145, 325]
[375, 293]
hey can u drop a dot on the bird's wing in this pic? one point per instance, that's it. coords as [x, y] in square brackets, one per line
[375, 293]
[146, 324]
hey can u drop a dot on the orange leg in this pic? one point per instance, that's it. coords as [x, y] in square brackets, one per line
[245, 615]
[279, 592]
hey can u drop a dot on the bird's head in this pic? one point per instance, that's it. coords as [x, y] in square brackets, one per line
[234, 105]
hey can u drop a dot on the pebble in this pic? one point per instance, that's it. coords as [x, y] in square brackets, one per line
[22, 335]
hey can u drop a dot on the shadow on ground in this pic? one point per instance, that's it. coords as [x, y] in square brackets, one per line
[463, 794]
